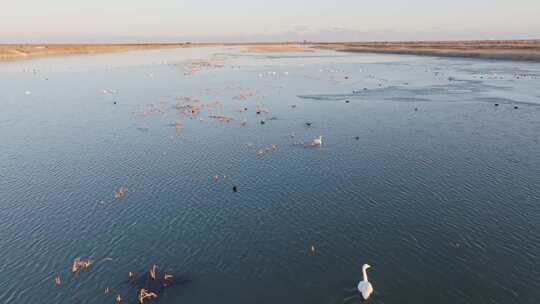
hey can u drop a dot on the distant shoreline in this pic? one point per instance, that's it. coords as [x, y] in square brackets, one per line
[522, 50]
[10, 52]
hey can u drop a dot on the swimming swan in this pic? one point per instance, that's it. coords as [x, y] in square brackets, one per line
[365, 286]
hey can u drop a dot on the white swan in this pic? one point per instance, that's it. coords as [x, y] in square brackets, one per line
[365, 286]
[317, 141]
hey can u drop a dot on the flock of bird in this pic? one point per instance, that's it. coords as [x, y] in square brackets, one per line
[155, 281]
[146, 294]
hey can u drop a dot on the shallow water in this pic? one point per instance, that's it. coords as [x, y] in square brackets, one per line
[440, 192]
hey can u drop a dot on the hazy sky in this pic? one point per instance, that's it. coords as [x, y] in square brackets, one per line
[257, 20]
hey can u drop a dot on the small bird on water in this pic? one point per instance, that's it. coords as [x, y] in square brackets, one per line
[317, 141]
[152, 272]
[58, 281]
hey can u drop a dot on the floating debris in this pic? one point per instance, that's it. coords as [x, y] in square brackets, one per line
[160, 109]
[235, 189]
[193, 67]
[79, 264]
[270, 149]
[222, 118]
[109, 91]
[146, 295]
[244, 96]
[121, 193]
[179, 127]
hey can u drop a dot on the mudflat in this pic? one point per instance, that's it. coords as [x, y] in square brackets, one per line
[489, 49]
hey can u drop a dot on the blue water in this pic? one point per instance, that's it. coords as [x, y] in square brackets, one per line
[439, 194]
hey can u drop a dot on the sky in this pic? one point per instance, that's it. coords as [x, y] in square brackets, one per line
[105, 21]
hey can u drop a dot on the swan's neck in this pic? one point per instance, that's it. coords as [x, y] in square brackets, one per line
[364, 273]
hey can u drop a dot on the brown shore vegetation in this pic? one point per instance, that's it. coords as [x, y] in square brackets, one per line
[22, 51]
[487, 49]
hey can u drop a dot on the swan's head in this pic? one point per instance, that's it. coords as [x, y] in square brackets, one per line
[366, 266]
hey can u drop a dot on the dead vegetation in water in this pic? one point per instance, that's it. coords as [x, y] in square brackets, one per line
[79, 265]
[193, 67]
[222, 118]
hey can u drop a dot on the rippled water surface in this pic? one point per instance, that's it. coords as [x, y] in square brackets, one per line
[420, 175]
